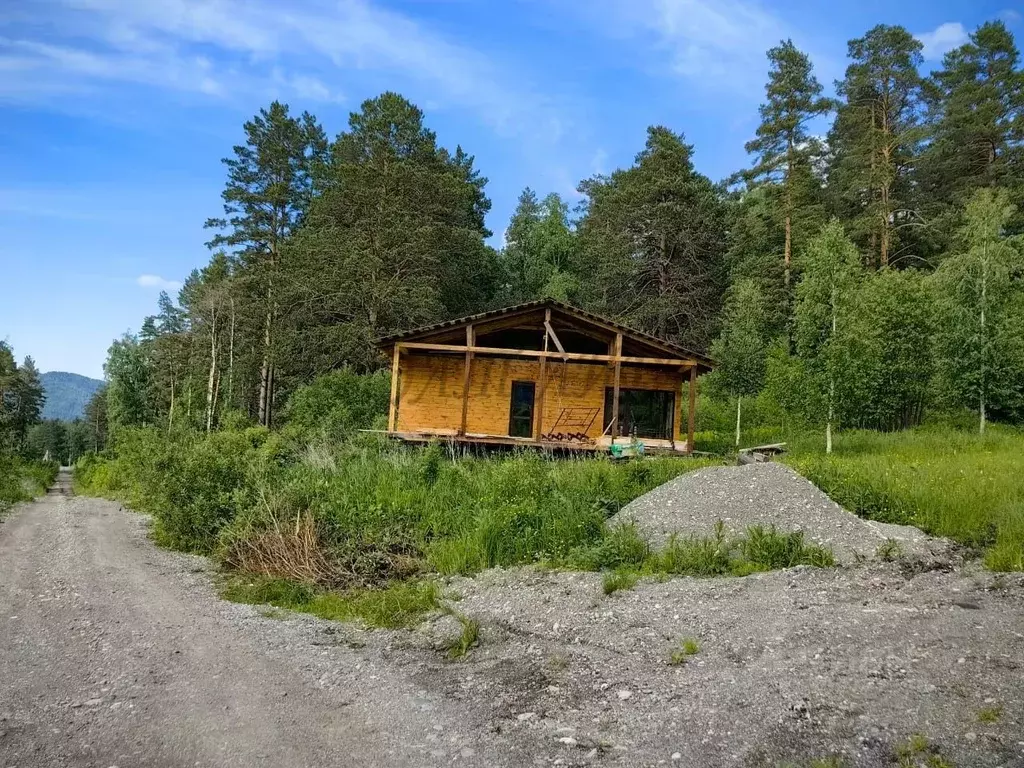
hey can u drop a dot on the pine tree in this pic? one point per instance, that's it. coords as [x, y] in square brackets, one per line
[653, 241]
[875, 142]
[271, 182]
[30, 397]
[396, 240]
[977, 110]
[786, 152]
[741, 349]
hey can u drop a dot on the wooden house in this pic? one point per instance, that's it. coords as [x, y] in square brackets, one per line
[544, 374]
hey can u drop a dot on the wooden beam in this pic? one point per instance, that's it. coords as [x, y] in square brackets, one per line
[551, 332]
[533, 315]
[615, 390]
[693, 410]
[460, 349]
[393, 409]
[465, 377]
[538, 422]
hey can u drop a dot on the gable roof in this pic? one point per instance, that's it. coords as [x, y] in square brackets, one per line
[670, 347]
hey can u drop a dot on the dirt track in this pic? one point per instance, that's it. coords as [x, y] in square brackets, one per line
[116, 653]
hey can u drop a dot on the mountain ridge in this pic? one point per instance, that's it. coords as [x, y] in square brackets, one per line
[67, 394]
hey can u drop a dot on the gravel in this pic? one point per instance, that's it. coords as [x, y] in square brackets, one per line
[113, 652]
[766, 494]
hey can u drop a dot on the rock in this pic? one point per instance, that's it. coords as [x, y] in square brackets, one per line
[624, 694]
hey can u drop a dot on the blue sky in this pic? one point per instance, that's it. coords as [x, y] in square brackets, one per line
[114, 114]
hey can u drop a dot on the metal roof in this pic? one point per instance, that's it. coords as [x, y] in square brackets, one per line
[391, 339]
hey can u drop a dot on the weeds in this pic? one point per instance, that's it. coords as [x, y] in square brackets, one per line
[687, 648]
[613, 581]
[401, 604]
[990, 714]
[947, 483]
[889, 551]
[918, 751]
[469, 637]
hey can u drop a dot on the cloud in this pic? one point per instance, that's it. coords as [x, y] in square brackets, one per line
[155, 281]
[1010, 16]
[718, 44]
[224, 48]
[942, 39]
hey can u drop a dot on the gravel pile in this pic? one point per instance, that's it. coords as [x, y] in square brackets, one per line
[766, 494]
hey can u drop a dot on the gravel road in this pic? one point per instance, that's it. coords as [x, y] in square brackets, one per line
[116, 653]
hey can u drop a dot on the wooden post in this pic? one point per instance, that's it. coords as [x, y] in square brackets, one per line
[393, 410]
[693, 409]
[615, 389]
[538, 422]
[465, 378]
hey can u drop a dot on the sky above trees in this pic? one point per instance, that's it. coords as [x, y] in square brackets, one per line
[115, 114]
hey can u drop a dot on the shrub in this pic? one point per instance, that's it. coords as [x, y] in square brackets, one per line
[336, 404]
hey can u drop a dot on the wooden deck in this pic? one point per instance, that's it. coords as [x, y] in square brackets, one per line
[602, 445]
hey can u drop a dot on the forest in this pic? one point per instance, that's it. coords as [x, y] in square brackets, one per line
[862, 284]
[23, 474]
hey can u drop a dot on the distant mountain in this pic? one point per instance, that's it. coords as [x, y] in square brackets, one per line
[67, 394]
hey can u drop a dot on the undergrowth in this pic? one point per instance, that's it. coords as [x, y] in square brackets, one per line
[948, 483]
[22, 480]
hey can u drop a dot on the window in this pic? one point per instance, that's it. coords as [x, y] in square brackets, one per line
[643, 412]
[520, 420]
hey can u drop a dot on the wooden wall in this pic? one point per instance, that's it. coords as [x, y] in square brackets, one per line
[430, 391]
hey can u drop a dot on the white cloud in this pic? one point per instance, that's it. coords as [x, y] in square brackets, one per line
[220, 48]
[942, 39]
[155, 281]
[718, 44]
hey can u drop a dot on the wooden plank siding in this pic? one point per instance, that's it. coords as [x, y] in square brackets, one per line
[432, 391]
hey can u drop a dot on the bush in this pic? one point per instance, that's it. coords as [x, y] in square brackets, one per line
[21, 480]
[336, 404]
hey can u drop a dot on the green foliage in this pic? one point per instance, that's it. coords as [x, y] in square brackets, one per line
[128, 377]
[397, 605]
[980, 300]
[334, 405]
[21, 399]
[947, 483]
[21, 480]
[653, 240]
[687, 648]
[990, 714]
[613, 581]
[540, 254]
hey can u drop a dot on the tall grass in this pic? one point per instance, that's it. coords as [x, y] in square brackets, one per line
[21, 480]
[946, 482]
[367, 513]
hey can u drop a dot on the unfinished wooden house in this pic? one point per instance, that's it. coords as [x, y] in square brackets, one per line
[544, 374]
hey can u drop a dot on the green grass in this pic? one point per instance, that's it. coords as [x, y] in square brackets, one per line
[948, 483]
[22, 480]
[401, 604]
[469, 638]
[990, 714]
[918, 751]
[688, 647]
[613, 581]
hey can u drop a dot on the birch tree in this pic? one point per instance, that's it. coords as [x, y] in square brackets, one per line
[980, 295]
[741, 349]
[826, 303]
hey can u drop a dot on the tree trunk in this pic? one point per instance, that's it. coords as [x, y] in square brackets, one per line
[265, 375]
[787, 250]
[213, 374]
[739, 408]
[170, 411]
[831, 382]
[231, 358]
[984, 344]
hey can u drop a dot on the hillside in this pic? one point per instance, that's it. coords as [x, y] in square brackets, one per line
[67, 394]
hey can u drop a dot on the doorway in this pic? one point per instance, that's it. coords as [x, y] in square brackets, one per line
[520, 420]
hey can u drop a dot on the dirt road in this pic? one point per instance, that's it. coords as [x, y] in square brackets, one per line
[115, 653]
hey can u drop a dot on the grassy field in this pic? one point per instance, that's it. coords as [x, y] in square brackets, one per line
[946, 482]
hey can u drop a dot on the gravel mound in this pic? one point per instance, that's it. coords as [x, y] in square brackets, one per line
[765, 494]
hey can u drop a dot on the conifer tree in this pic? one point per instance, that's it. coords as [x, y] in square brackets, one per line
[785, 151]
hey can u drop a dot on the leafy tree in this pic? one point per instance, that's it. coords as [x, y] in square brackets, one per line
[271, 183]
[396, 240]
[336, 404]
[128, 384]
[539, 257]
[876, 139]
[786, 152]
[96, 420]
[8, 396]
[825, 311]
[980, 295]
[167, 347]
[653, 241]
[741, 349]
[207, 298]
[977, 110]
[891, 349]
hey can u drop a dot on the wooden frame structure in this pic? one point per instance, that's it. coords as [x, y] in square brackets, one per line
[453, 380]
